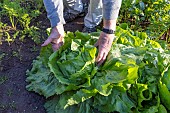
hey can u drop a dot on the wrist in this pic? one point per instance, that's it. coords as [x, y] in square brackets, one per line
[108, 31]
[109, 24]
[59, 29]
[108, 36]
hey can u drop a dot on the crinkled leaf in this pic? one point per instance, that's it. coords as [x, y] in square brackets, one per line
[75, 69]
[55, 105]
[116, 101]
[41, 79]
[81, 96]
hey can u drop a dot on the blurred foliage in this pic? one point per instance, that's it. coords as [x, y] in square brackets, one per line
[18, 16]
[151, 16]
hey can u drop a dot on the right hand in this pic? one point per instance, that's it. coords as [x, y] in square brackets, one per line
[104, 44]
[56, 37]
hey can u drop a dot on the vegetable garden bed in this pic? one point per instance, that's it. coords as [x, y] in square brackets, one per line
[134, 78]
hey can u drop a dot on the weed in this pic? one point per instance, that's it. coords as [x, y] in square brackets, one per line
[9, 92]
[3, 79]
[1, 56]
[3, 106]
[8, 39]
[35, 108]
[15, 53]
[34, 49]
[32, 32]
[12, 105]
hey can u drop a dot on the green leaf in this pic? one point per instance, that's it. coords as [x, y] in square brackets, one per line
[116, 101]
[41, 79]
[76, 67]
[166, 78]
[55, 105]
[162, 109]
[80, 96]
[126, 38]
[164, 95]
[124, 26]
[153, 109]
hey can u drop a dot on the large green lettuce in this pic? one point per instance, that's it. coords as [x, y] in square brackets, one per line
[133, 78]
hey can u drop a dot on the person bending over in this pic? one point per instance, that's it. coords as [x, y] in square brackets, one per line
[110, 10]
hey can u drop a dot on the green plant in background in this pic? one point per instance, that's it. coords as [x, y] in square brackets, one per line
[1, 32]
[20, 17]
[8, 39]
[17, 13]
[160, 16]
[166, 36]
[35, 6]
[32, 32]
[14, 12]
[151, 16]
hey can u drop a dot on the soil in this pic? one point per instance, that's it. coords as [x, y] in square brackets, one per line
[16, 59]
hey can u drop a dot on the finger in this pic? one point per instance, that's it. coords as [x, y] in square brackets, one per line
[57, 46]
[99, 56]
[54, 47]
[61, 43]
[48, 41]
[102, 60]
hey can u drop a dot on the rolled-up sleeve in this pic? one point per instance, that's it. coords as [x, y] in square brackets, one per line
[54, 10]
[111, 9]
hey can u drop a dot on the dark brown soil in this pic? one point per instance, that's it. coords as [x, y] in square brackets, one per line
[17, 58]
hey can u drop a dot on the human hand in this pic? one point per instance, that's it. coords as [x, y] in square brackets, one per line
[56, 38]
[104, 44]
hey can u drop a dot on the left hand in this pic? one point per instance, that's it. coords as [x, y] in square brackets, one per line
[104, 44]
[56, 38]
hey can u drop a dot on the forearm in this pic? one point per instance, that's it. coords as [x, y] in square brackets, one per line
[111, 9]
[54, 10]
